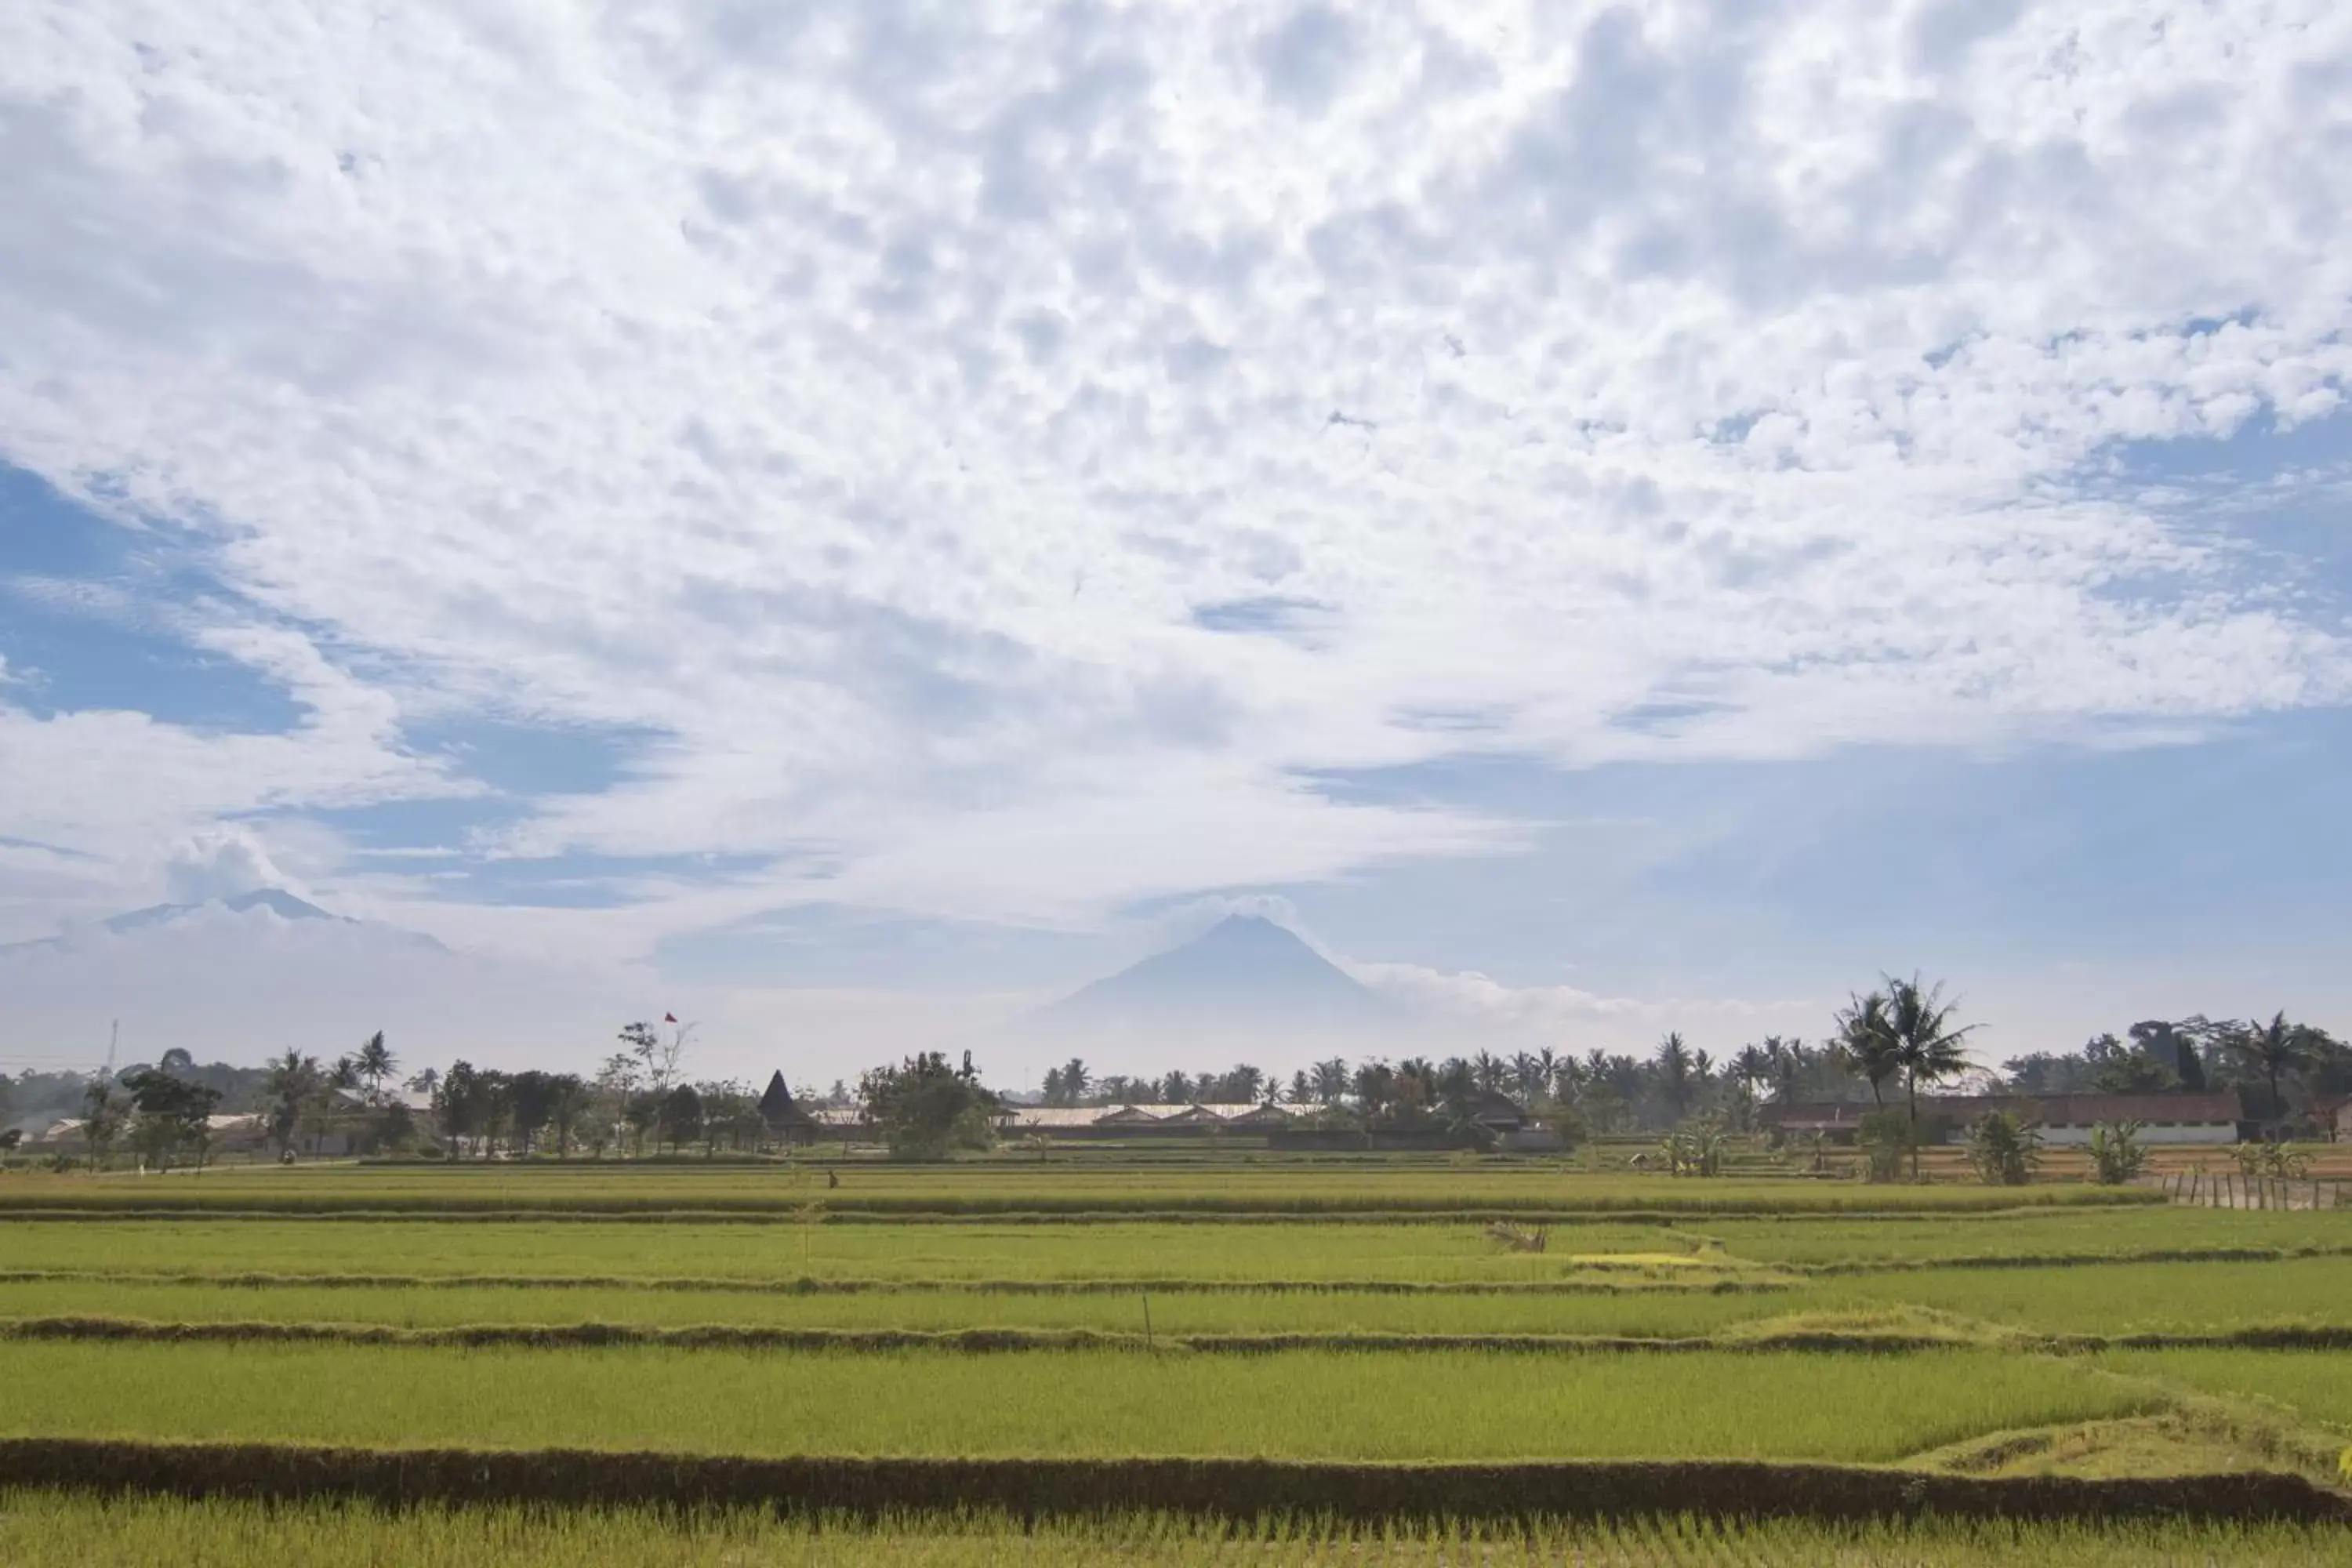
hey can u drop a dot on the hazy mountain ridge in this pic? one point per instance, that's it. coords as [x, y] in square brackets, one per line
[157, 918]
[1244, 976]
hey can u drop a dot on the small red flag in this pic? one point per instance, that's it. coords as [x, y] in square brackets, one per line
[669, 1017]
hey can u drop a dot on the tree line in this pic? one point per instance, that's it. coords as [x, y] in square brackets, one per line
[1900, 1038]
[1891, 1043]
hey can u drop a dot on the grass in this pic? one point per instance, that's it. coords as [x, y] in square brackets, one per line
[2125, 1298]
[1834, 1240]
[1320, 1404]
[2316, 1385]
[133, 1534]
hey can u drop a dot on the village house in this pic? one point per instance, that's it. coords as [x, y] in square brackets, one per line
[1193, 1120]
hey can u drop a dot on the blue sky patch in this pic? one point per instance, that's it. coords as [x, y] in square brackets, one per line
[98, 614]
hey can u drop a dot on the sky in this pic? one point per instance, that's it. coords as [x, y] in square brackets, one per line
[844, 521]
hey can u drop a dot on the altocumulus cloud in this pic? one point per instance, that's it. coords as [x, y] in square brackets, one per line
[879, 406]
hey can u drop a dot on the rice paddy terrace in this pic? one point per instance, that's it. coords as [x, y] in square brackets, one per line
[1240, 1360]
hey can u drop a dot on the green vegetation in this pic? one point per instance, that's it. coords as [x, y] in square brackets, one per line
[2314, 1386]
[1328, 1316]
[1429, 1253]
[112, 1533]
[2123, 1299]
[1323, 1404]
[1627, 1313]
[987, 1191]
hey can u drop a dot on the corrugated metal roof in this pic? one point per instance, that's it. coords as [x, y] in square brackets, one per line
[1153, 1113]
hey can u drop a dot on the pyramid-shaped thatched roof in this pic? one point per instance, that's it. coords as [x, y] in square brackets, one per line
[779, 1110]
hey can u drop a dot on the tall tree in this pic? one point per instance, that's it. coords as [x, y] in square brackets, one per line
[924, 1110]
[2174, 1047]
[457, 1105]
[1331, 1081]
[1076, 1081]
[1675, 1072]
[376, 1063]
[658, 1059]
[1928, 1046]
[533, 1094]
[101, 1119]
[288, 1088]
[2274, 1050]
[1751, 1064]
[1867, 1038]
[172, 1114]
[681, 1115]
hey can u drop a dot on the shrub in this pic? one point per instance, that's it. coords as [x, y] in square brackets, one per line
[1695, 1149]
[2280, 1161]
[1885, 1139]
[2004, 1150]
[2117, 1153]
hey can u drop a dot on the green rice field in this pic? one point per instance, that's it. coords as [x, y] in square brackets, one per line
[1315, 1405]
[1331, 1316]
[53, 1528]
[1075, 1186]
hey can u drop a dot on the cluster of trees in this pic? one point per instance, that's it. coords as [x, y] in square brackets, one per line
[925, 1109]
[639, 1098]
[163, 1116]
[1073, 1084]
[2292, 1061]
[1893, 1042]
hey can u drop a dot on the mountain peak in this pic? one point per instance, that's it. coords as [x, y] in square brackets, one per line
[277, 900]
[1243, 973]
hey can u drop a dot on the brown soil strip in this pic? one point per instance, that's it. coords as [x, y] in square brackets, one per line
[1230, 1488]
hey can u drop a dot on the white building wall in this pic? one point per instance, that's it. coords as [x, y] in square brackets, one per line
[2188, 1133]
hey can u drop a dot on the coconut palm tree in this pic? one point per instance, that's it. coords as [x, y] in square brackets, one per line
[2273, 1049]
[1867, 1039]
[1331, 1080]
[292, 1083]
[1675, 1072]
[376, 1063]
[1927, 1043]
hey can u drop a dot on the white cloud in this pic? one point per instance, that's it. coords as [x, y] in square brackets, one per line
[219, 863]
[1565, 1017]
[869, 400]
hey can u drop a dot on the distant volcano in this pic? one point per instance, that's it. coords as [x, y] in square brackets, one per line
[1244, 975]
[276, 900]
